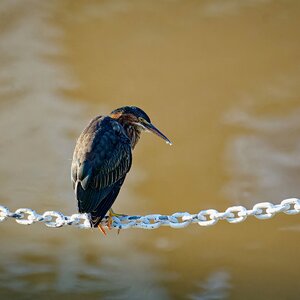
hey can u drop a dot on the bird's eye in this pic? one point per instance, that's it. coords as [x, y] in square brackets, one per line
[142, 120]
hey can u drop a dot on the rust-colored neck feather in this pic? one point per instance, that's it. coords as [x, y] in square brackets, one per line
[127, 121]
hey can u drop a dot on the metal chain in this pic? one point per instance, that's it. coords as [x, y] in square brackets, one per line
[208, 217]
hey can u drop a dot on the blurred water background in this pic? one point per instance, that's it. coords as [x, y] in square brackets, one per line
[220, 78]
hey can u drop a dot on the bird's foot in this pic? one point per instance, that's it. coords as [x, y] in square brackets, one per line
[110, 219]
[102, 229]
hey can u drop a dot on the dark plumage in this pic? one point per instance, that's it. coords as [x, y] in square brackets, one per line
[102, 158]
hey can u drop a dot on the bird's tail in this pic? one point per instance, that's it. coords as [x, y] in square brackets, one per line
[99, 213]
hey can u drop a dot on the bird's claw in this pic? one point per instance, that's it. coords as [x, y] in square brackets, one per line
[102, 229]
[109, 222]
[110, 218]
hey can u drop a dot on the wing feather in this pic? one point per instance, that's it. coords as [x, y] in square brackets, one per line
[101, 160]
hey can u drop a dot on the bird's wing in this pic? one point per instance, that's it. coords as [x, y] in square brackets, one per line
[99, 212]
[101, 160]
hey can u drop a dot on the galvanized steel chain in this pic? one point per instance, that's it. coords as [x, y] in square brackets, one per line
[208, 217]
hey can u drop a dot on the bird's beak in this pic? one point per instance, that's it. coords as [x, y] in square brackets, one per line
[153, 129]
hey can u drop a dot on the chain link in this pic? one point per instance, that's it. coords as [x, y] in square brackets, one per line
[208, 217]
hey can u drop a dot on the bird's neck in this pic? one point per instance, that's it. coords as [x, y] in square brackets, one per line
[133, 131]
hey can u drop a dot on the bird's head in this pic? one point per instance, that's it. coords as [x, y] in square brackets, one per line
[134, 118]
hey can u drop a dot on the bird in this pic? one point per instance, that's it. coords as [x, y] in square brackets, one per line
[102, 158]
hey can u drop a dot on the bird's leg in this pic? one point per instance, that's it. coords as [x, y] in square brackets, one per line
[102, 229]
[113, 214]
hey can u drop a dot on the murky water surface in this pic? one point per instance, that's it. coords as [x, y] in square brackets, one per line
[220, 78]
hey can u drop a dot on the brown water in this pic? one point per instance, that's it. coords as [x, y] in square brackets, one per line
[220, 78]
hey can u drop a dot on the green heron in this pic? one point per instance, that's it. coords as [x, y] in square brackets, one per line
[102, 158]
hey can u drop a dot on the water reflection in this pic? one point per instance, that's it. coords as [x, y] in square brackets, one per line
[263, 158]
[34, 116]
[231, 7]
[214, 287]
